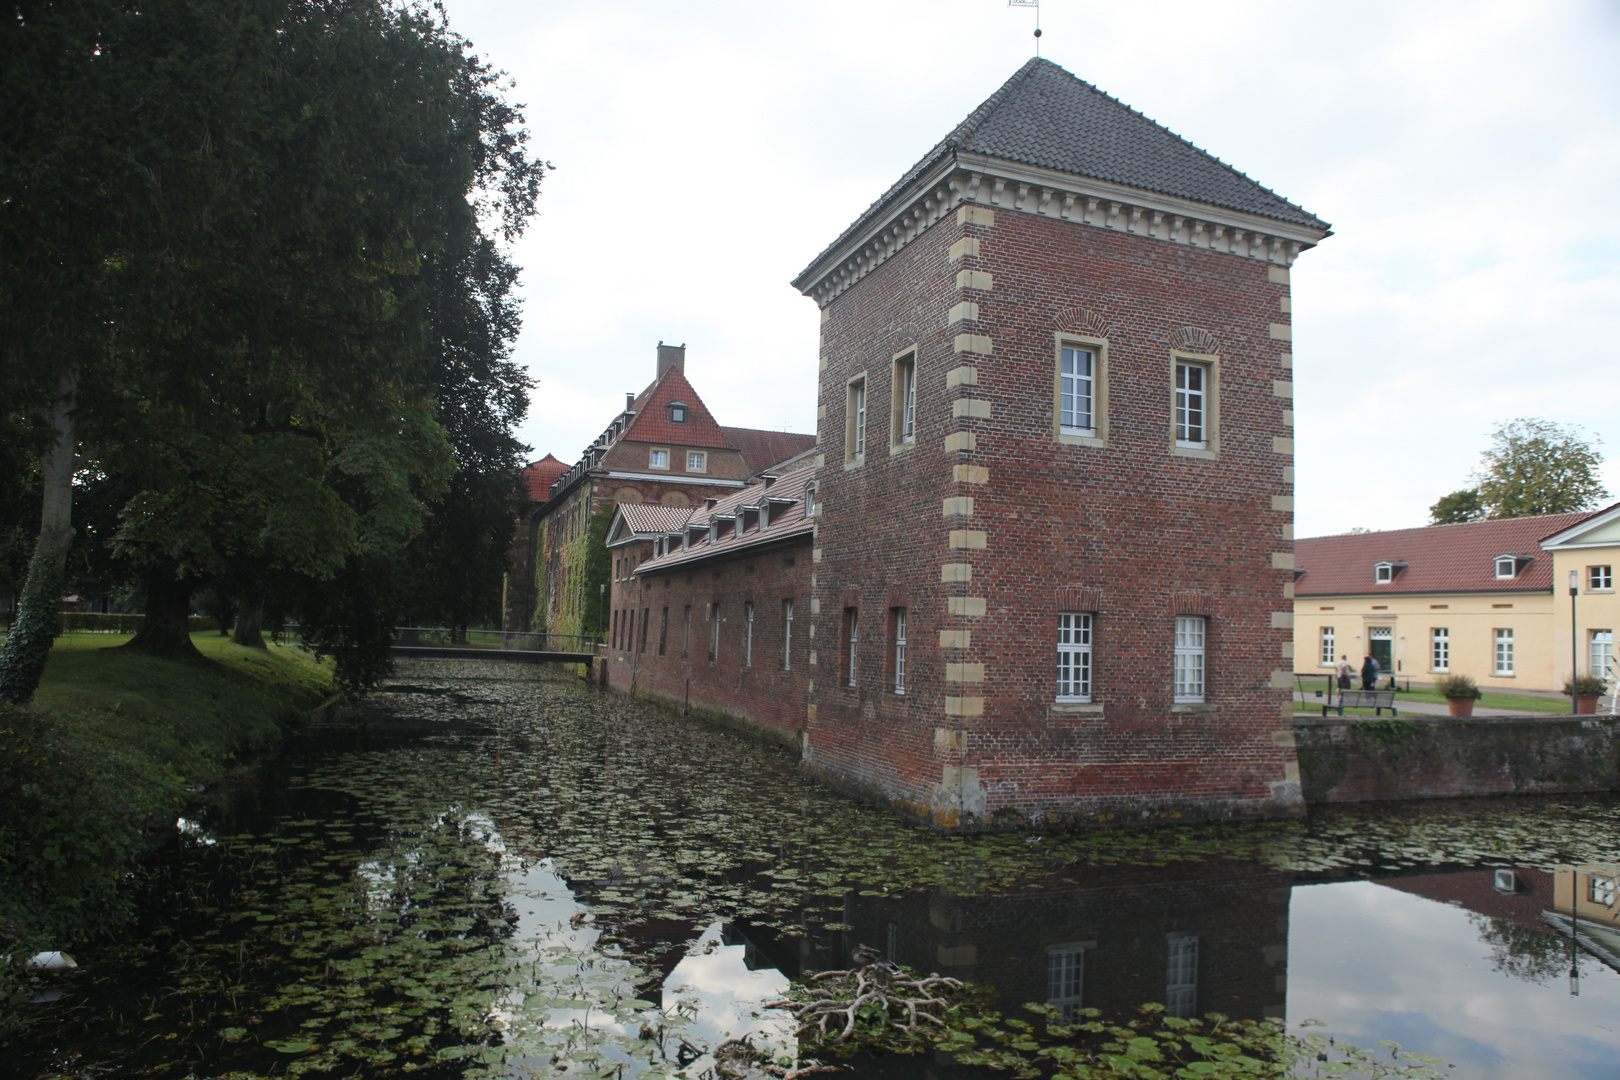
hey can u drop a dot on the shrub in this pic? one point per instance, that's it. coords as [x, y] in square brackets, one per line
[1457, 686]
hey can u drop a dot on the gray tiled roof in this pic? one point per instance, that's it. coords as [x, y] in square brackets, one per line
[1046, 117]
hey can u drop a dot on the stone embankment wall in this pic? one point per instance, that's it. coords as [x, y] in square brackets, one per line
[1438, 757]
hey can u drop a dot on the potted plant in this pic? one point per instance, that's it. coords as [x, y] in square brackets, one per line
[1460, 692]
[1586, 690]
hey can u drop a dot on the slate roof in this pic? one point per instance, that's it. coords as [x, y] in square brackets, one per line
[1439, 558]
[761, 449]
[1046, 117]
[540, 475]
[652, 423]
[786, 522]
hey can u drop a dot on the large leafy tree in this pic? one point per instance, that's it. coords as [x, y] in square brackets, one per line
[1539, 467]
[257, 334]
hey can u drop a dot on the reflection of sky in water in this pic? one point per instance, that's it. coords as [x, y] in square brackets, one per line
[1376, 964]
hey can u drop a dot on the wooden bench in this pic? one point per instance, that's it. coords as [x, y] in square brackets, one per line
[1377, 700]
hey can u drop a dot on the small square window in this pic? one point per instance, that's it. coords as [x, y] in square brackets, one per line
[1599, 578]
[696, 461]
[658, 459]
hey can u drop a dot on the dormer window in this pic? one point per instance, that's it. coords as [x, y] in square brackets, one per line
[677, 412]
[1506, 567]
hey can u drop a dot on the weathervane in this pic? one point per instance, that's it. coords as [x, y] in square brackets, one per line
[1036, 4]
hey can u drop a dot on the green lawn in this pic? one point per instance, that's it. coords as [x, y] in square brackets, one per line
[98, 767]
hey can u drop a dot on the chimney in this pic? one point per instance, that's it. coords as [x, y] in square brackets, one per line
[671, 356]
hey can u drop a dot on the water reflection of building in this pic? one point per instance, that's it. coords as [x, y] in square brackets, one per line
[1197, 937]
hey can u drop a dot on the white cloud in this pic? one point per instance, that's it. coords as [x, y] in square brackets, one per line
[1465, 152]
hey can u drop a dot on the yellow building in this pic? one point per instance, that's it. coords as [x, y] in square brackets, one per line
[1486, 598]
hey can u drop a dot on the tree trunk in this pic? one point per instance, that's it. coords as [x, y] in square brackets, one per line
[28, 646]
[168, 604]
[249, 626]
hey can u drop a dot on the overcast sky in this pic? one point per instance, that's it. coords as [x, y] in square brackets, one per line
[1466, 153]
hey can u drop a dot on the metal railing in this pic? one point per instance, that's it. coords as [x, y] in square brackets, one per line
[511, 640]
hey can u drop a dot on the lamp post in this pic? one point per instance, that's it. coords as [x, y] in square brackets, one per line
[1574, 646]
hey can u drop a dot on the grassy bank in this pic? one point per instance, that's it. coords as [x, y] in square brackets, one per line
[97, 767]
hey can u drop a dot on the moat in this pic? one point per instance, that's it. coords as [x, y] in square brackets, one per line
[494, 870]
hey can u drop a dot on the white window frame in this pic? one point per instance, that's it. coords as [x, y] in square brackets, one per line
[900, 651]
[1192, 636]
[1502, 651]
[658, 458]
[697, 461]
[1599, 652]
[748, 633]
[1077, 390]
[1194, 410]
[1600, 578]
[1074, 657]
[1325, 654]
[855, 421]
[1181, 976]
[1439, 648]
[853, 659]
[787, 635]
[903, 429]
[1066, 979]
[1512, 565]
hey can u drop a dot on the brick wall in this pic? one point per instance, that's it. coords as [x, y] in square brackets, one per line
[765, 697]
[989, 525]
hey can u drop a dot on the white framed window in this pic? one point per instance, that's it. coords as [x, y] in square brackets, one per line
[1384, 573]
[1600, 652]
[787, 635]
[855, 421]
[1439, 649]
[748, 634]
[903, 428]
[852, 627]
[697, 461]
[1077, 391]
[1600, 579]
[1189, 659]
[1505, 565]
[1074, 657]
[658, 459]
[1503, 652]
[1325, 653]
[1192, 417]
[1603, 889]
[1066, 979]
[714, 633]
[900, 650]
[1181, 977]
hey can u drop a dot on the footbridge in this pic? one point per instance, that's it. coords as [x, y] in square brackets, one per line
[440, 643]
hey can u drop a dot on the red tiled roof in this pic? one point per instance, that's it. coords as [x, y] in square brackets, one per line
[761, 449]
[1438, 558]
[786, 521]
[540, 475]
[652, 423]
[654, 518]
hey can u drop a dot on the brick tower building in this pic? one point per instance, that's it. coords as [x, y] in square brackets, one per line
[1053, 541]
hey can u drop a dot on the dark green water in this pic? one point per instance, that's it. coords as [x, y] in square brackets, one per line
[497, 873]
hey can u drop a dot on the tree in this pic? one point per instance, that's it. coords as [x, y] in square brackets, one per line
[1538, 467]
[1458, 507]
[250, 326]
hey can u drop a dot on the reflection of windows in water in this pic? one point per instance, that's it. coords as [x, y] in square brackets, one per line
[1065, 977]
[1181, 978]
[1603, 890]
